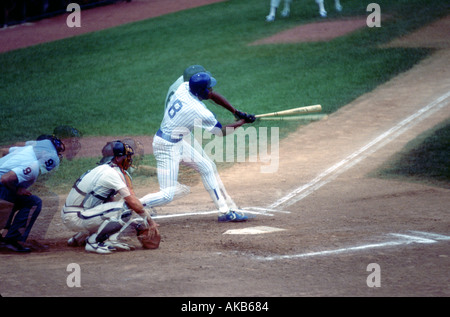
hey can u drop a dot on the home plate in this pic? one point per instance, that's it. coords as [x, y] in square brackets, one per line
[253, 230]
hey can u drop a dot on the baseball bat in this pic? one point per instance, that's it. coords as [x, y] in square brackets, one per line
[299, 110]
[311, 117]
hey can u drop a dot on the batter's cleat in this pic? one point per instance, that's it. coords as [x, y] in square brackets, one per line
[232, 216]
[99, 248]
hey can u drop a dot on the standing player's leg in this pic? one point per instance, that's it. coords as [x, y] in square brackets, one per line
[337, 5]
[205, 166]
[287, 8]
[195, 158]
[322, 11]
[168, 157]
[273, 10]
[230, 202]
[198, 148]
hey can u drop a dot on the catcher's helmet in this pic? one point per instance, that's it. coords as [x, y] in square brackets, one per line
[121, 149]
[200, 83]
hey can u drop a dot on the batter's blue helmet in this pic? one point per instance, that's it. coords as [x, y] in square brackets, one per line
[200, 83]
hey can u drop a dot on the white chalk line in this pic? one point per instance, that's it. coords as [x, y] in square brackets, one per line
[403, 239]
[247, 210]
[359, 155]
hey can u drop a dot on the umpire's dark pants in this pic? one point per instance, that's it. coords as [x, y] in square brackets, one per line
[24, 213]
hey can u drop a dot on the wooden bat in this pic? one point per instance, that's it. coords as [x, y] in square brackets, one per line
[299, 110]
[307, 117]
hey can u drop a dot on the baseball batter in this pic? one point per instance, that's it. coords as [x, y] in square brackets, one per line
[184, 111]
[218, 99]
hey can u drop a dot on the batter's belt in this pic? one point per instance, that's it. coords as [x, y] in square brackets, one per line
[167, 137]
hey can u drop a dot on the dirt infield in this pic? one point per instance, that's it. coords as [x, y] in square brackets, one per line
[94, 19]
[314, 32]
[335, 220]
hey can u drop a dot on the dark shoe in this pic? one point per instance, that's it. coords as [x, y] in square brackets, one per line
[33, 245]
[13, 245]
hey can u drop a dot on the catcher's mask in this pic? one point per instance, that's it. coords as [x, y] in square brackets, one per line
[123, 149]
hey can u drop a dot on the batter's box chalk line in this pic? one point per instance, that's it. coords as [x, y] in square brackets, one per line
[251, 212]
[254, 230]
[359, 155]
[417, 237]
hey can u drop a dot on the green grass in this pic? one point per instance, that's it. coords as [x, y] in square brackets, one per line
[424, 159]
[114, 82]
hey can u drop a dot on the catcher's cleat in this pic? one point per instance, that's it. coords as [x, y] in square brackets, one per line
[119, 246]
[232, 216]
[99, 248]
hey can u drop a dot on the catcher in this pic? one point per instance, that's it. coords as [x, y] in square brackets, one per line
[90, 208]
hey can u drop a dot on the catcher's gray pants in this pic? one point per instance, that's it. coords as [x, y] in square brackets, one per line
[105, 219]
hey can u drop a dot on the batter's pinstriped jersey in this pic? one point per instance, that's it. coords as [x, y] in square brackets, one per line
[172, 90]
[184, 112]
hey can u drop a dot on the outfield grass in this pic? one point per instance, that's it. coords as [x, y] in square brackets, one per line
[114, 82]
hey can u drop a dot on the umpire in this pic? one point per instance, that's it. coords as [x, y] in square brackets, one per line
[19, 169]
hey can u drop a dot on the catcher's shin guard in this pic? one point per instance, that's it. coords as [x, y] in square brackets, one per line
[112, 226]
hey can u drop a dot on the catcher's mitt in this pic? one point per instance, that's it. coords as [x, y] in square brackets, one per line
[249, 118]
[149, 237]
